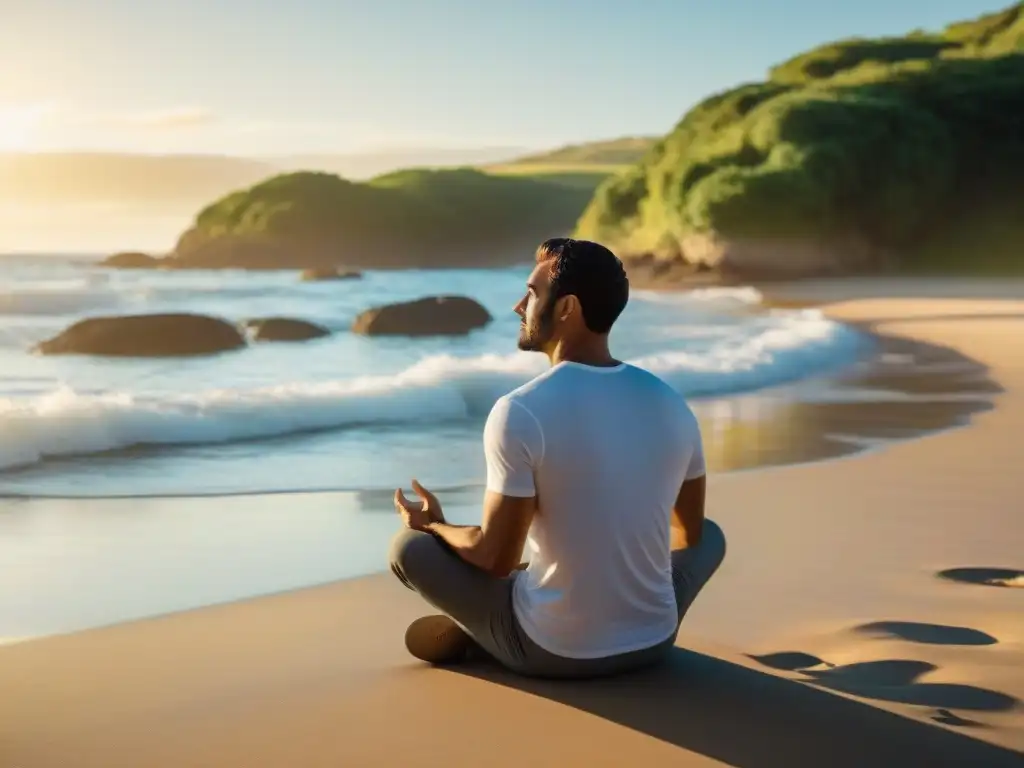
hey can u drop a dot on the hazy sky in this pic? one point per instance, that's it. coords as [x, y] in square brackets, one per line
[276, 77]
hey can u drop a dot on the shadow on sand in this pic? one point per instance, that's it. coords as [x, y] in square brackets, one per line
[752, 719]
[930, 634]
[988, 577]
[895, 680]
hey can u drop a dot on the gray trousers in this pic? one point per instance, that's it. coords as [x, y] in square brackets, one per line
[482, 603]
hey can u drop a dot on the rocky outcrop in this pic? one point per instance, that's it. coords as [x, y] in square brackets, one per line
[709, 259]
[780, 258]
[431, 316]
[131, 260]
[284, 329]
[645, 271]
[327, 273]
[198, 250]
[157, 335]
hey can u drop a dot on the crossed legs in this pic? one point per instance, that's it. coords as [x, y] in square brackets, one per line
[481, 605]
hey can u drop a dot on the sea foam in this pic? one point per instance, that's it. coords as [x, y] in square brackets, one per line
[441, 388]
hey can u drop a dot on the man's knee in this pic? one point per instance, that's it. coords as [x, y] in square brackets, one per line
[713, 541]
[410, 555]
[694, 566]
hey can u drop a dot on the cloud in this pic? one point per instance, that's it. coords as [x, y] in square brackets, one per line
[171, 119]
[50, 126]
[64, 114]
[196, 128]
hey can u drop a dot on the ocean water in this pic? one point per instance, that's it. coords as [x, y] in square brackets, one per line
[344, 412]
[133, 488]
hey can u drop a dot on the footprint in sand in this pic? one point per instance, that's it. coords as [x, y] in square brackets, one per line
[932, 634]
[946, 717]
[989, 577]
[893, 680]
[790, 661]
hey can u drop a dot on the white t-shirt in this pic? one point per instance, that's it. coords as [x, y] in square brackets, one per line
[605, 450]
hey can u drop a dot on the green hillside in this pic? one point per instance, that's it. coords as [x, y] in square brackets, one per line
[406, 218]
[613, 152]
[913, 146]
[584, 166]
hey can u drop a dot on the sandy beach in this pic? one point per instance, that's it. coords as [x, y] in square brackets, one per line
[870, 611]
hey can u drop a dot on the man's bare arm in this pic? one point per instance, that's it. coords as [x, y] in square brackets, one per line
[688, 514]
[496, 545]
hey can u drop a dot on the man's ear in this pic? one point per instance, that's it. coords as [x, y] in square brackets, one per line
[566, 307]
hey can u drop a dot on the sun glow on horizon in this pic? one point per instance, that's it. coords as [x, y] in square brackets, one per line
[19, 125]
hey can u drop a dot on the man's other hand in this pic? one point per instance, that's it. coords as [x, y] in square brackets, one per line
[418, 514]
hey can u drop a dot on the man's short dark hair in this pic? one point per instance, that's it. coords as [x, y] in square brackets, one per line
[591, 273]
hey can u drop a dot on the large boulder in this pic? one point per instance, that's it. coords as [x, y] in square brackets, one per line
[158, 335]
[284, 329]
[131, 260]
[431, 316]
[328, 273]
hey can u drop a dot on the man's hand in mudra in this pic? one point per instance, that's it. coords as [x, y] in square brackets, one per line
[418, 514]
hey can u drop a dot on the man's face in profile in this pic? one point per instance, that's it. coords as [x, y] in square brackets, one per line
[536, 311]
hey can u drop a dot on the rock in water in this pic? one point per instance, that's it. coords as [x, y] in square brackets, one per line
[158, 335]
[314, 275]
[285, 329]
[131, 260]
[431, 316]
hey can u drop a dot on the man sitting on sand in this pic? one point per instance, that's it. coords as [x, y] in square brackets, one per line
[586, 465]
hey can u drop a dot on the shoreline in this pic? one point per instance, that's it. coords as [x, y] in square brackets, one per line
[187, 437]
[851, 624]
[846, 386]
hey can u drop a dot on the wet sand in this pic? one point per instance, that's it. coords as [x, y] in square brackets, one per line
[903, 390]
[866, 614]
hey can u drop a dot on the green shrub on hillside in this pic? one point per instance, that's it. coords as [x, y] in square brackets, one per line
[893, 140]
[829, 60]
